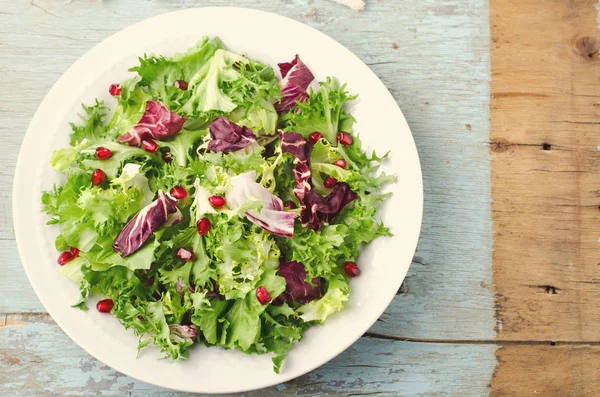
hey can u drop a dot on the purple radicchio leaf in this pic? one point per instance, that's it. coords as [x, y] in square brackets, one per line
[320, 209]
[272, 217]
[182, 333]
[139, 229]
[296, 145]
[297, 289]
[296, 77]
[226, 136]
[316, 209]
[157, 123]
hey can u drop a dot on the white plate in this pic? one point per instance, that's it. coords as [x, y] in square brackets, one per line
[270, 39]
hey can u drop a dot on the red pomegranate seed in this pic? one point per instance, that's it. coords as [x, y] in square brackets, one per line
[289, 204]
[263, 295]
[149, 145]
[102, 153]
[178, 192]
[98, 177]
[114, 89]
[181, 84]
[340, 163]
[329, 182]
[184, 254]
[74, 252]
[105, 305]
[203, 226]
[344, 138]
[217, 201]
[315, 136]
[351, 269]
[166, 156]
[64, 257]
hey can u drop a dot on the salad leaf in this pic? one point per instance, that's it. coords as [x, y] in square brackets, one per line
[130, 108]
[316, 209]
[139, 229]
[205, 84]
[62, 159]
[323, 111]
[333, 301]
[157, 122]
[297, 289]
[296, 77]
[271, 216]
[226, 136]
[93, 128]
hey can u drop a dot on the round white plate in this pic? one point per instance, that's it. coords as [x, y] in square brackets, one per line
[270, 39]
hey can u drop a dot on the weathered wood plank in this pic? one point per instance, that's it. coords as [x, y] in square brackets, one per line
[547, 371]
[434, 59]
[38, 359]
[16, 294]
[545, 180]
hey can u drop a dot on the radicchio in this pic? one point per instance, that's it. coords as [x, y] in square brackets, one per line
[296, 77]
[227, 136]
[320, 209]
[182, 333]
[315, 208]
[157, 123]
[139, 229]
[272, 216]
[297, 289]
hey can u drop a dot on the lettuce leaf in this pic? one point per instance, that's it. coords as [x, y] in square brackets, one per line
[323, 111]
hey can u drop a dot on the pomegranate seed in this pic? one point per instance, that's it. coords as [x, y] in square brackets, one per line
[289, 204]
[142, 319]
[105, 305]
[340, 163]
[102, 153]
[64, 257]
[114, 89]
[203, 226]
[344, 138]
[217, 201]
[149, 145]
[181, 84]
[166, 156]
[98, 177]
[263, 295]
[179, 192]
[329, 182]
[74, 252]
[315, 136]
[184, 254]
[351, 269]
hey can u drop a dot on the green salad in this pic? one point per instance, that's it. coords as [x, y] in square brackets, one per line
[210, 202]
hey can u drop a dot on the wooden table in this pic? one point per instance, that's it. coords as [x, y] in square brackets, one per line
[503, 99]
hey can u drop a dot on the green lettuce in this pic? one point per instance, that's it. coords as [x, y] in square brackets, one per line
[323, 111]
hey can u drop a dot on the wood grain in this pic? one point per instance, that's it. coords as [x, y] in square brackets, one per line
[545, 121]
[392, 368]
[547, 371]
[545, 110]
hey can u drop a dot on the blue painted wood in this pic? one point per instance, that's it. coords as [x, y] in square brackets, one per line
[438, 73]
[434, 58]
[391, 368]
